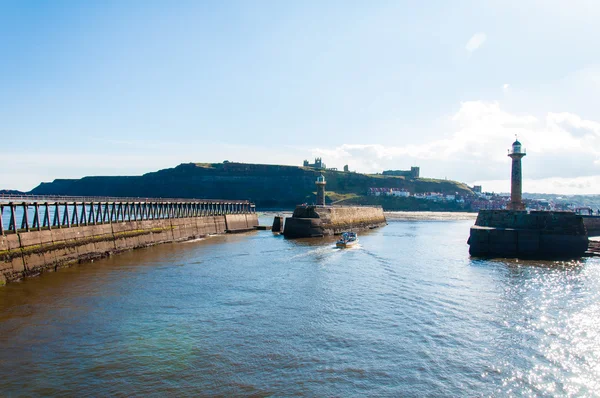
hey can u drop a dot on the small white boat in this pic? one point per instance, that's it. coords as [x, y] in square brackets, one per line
[348, 239]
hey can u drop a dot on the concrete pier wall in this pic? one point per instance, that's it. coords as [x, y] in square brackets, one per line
[240, 222]
[311, 221]
[592, 225]
[277, 224]
[538, 234]
[31, 253]
[303, 228]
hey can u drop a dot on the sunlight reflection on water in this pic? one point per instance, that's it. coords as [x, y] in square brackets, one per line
[406, 313]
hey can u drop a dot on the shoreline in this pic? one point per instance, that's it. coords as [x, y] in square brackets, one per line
[429, 215]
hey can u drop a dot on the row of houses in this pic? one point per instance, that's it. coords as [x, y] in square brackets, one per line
[497, 202]
[435, 196]
[388, 192]
[476, 202]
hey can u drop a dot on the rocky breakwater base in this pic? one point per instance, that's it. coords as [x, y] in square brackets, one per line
[316, 221]
[533, 235]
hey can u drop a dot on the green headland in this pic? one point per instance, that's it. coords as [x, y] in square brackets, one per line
[269, 186]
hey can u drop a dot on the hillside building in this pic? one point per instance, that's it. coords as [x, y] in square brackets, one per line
[318, 164]
[412, 173]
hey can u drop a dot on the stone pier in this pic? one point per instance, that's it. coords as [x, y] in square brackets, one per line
[538, 234]
[42, 237]
[314, 221]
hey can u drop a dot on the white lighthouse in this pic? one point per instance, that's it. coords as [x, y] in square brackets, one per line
[320, 190]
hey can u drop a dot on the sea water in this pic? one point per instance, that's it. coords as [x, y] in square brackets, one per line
[405, 313]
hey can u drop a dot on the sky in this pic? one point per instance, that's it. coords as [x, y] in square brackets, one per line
[129, 87]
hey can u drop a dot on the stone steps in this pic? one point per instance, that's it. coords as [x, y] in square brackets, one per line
[593, 249]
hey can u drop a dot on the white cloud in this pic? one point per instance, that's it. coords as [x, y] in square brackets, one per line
[563, 153]
[505, 87]
[564, 150]
[476, 41]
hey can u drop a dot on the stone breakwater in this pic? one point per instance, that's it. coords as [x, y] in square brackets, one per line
[538, 234]
[29, 253]
[314, 221]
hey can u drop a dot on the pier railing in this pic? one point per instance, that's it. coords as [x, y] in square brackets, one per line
[62, 198]
[34, 215]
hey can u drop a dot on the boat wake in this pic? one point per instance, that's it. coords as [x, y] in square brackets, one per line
[322, 250]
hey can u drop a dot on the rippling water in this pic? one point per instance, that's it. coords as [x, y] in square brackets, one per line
[407, 313]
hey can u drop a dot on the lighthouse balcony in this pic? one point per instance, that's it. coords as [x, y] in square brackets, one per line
[517, 151]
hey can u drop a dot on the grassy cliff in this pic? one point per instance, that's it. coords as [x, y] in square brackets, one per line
[269, 186]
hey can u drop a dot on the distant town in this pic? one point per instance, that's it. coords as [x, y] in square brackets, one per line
[479, 200]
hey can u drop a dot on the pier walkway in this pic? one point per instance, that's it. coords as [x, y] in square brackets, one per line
[28, 212]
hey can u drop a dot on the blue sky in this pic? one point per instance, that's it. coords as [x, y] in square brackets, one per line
[123, 88]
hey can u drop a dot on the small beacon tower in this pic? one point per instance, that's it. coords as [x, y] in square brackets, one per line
[320, 190]
[516, 180]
